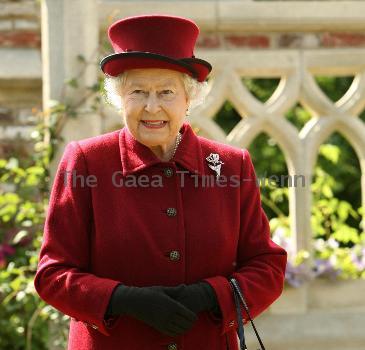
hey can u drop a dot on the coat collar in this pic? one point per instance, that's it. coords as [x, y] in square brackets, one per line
[135, 156]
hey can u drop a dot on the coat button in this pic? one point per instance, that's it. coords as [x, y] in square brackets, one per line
[174, 255]
[168, 172]
[171, 212]
[94, 326]
[172, 346]
[231, 324]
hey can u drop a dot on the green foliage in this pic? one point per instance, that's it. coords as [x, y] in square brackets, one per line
[24, 194]
[227, 117]
[23, 199]
[262, 89]
[298, 116]
[333, 87]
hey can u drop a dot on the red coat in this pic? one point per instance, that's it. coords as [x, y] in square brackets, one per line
[112, 231]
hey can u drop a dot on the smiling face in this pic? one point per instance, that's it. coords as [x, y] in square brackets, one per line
[154, 107]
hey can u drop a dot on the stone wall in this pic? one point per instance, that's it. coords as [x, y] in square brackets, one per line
[224, 26]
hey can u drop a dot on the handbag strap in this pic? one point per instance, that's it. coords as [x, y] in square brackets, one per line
[240, 330]
[239, 297]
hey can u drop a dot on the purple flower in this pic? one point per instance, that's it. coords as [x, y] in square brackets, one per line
[358, 259]
[297, 275]
[325, 268]
[280, 238]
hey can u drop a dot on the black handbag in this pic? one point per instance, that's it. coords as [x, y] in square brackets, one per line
[239, 299]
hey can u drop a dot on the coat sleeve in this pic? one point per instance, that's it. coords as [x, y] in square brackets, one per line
[261, 263]
[63, 278]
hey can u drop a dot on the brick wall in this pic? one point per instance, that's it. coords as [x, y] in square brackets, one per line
[281, 40]
[19, 28]
[20, 24]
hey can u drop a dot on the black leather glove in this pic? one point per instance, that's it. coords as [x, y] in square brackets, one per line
[196, 297]
[156, 309]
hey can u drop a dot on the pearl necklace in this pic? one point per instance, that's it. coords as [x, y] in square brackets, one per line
[178, 139]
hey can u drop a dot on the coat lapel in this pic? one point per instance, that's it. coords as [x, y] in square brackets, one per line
[135, 156]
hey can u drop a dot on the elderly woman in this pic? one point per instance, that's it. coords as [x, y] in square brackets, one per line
[146, 223]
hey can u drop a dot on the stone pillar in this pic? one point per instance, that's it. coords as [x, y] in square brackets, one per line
[70, 28]
[300, 209]
[295, 300]
[363, 195]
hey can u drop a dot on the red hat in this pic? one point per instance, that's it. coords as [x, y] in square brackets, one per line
[154, 41]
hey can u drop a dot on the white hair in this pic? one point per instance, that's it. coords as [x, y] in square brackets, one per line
[196, 91]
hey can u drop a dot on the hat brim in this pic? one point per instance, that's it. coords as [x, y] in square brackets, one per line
[117, 63]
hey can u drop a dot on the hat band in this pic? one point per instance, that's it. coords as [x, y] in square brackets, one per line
[145, 54]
